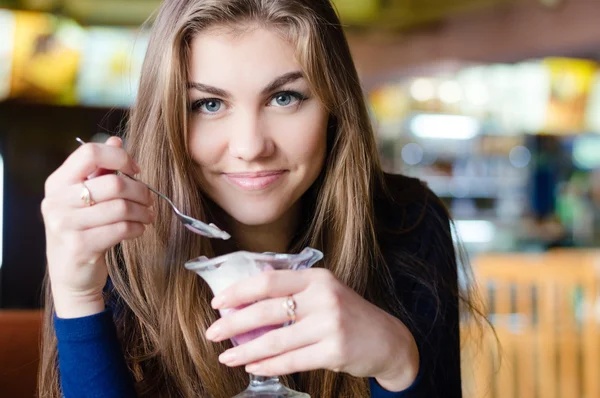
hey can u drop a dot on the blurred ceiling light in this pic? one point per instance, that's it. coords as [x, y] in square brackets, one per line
[453, 127]
[519, 156]
[477, 94]
[422, 89]
[474, 231]
[450, 92]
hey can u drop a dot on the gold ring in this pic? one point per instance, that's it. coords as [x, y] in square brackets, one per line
[86, 195]
[290, 306]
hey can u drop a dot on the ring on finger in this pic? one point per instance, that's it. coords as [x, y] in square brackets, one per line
[86, 195]
[290, 306]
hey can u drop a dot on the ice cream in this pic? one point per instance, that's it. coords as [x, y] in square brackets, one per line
[236, 267]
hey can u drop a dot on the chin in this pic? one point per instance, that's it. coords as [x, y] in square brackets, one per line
[252, 214]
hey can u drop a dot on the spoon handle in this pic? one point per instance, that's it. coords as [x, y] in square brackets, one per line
[197, 226]
[82, 142]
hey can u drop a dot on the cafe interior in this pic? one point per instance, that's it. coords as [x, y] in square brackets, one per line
[495, 104]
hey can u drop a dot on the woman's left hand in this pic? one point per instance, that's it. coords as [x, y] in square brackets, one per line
[335, 329]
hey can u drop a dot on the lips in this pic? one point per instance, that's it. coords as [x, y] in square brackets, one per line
[255, 181]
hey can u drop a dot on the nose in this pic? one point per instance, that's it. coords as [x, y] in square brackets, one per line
[249, 139]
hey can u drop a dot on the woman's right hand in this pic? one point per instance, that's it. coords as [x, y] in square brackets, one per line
[77, 235]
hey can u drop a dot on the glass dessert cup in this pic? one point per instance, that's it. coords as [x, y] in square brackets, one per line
[222, 272]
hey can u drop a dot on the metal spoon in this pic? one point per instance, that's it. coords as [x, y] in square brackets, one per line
[196, 226]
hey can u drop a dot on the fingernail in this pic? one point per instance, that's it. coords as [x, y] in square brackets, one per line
[218, 302]
[152, 211]
[227, 357]
[212, 333]
[137, 168]
[253, 368]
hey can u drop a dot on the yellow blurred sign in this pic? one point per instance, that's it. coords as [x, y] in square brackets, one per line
[389, 103]
[46, 58]
[570, 85]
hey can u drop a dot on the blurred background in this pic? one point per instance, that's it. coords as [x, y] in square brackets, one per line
[495, 103]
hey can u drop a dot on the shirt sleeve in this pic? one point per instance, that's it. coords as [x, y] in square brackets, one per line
[379, 392]
[432, 315]
[90, 359]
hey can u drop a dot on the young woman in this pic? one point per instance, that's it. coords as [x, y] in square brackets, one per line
[249, 115]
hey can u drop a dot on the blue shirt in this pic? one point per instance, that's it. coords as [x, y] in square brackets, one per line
[92, 365]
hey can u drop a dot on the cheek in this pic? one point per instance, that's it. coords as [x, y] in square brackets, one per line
[207, 142]
[306, 140]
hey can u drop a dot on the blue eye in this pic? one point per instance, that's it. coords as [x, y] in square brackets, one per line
[208, 106]
[284, 99]
[212, 106]
[287, 98]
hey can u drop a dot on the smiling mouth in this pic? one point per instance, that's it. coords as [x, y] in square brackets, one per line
[255, 181]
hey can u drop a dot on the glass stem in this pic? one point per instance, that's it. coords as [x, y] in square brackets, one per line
[262, 383]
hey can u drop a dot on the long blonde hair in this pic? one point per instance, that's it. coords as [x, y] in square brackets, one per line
[163, 309]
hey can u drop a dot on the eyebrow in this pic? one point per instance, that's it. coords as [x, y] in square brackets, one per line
[274, 85]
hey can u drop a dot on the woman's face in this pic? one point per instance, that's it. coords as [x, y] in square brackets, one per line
[257, 133]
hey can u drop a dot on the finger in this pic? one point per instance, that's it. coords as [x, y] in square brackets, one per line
[111, 141]
[111, 212]
[304, 359]
[268, 284]
[271, 344]
[262, 314]
[100, 239]
[114, 141]
[89, 158]
[106, 188]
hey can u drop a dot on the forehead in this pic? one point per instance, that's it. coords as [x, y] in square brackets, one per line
[228, 60]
